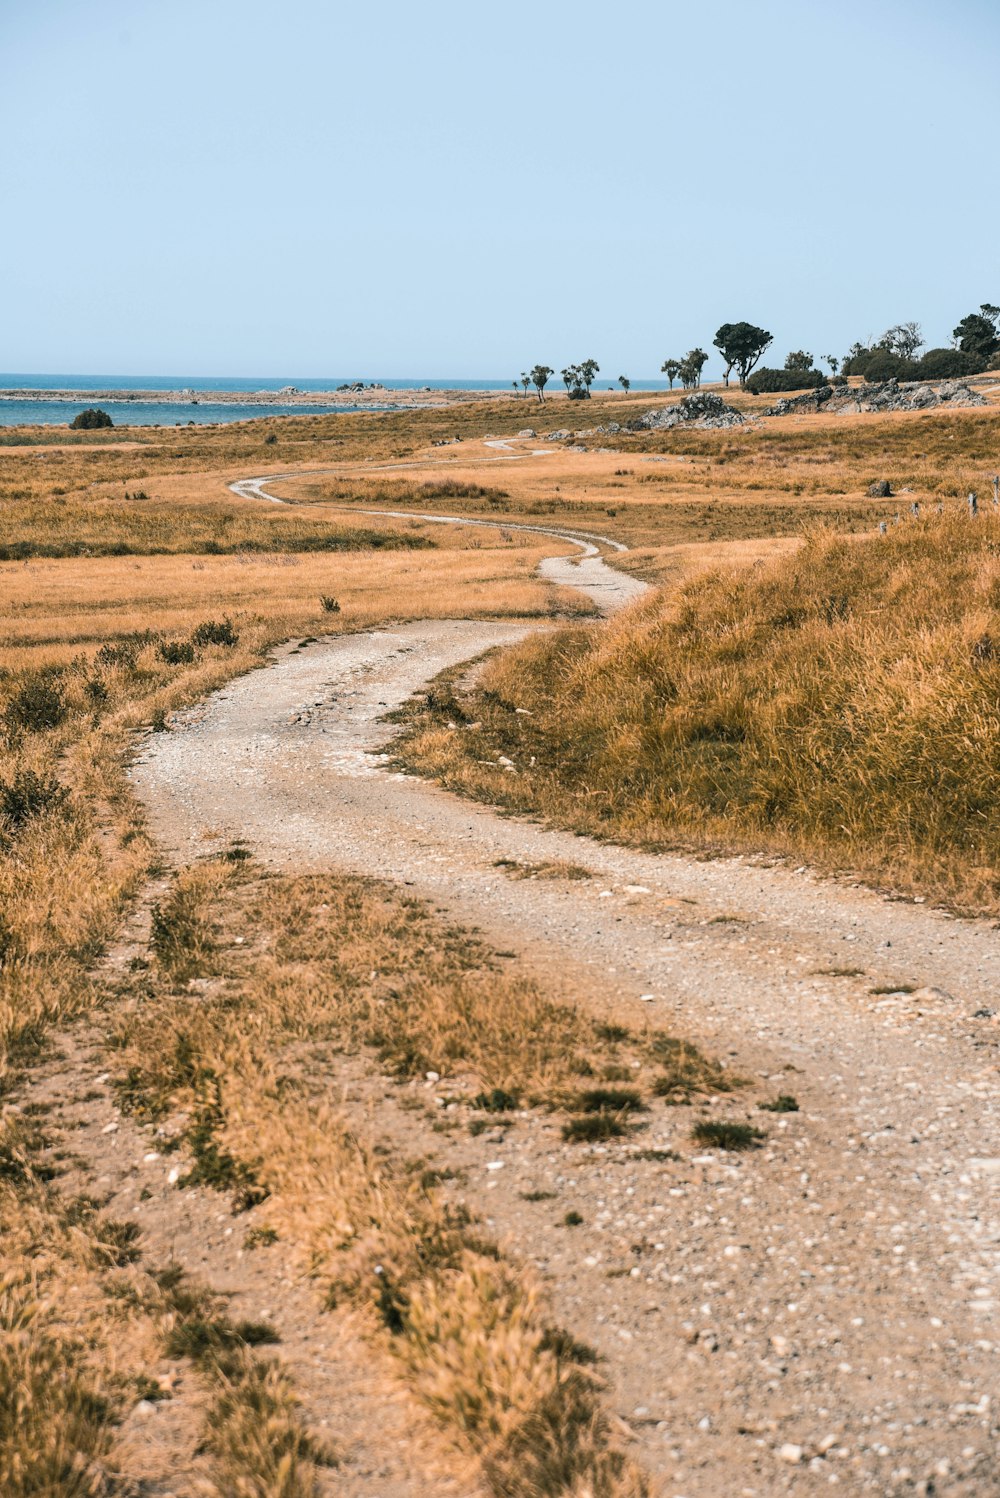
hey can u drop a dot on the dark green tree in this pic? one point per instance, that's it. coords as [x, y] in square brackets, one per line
[573, 381]
[625, 383]
[977, 333]
[588, 369]
[741, 344]
[799, 361]
[540, 376]
[671, 368]
[692, 364]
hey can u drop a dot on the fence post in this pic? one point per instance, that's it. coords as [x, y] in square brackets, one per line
[882, 527]
[973, 505]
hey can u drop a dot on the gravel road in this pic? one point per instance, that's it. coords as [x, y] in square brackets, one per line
[820, 1313]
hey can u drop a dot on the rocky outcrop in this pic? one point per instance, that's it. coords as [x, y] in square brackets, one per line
[703, 408]
[889, 395]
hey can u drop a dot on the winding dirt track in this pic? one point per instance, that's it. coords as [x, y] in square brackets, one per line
[821, 1313]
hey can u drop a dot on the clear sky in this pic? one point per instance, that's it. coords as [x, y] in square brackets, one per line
[404, 189]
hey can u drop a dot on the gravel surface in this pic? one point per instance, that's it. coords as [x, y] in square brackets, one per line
[820, 1312]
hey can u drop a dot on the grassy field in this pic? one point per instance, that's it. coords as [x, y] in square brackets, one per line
[838, 704]
[828, 694]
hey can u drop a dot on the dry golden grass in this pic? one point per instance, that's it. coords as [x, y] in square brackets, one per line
[864, 737]
[59, 608]
[243, 1072]
[840, 703]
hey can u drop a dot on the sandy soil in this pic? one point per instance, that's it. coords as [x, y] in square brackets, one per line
[822, 1312]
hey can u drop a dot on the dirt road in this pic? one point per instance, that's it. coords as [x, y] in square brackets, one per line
[820, 1313]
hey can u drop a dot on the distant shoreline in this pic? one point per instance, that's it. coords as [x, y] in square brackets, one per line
[379, 396]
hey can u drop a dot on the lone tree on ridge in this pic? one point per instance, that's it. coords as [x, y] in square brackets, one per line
[741, 344]
[625, 383]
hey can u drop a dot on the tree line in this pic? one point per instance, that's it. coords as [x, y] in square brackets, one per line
[975, 347]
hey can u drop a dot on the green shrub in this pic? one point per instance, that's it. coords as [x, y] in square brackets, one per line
[90, 419]
[29, 795]
[176, 652]
[215, 632]
[124, 653]
[949, 364]
[768, 381]
[39, 703]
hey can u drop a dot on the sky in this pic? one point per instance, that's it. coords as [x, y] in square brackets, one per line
[460, 189]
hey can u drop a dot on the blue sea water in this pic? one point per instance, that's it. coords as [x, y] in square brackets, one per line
[150, 413]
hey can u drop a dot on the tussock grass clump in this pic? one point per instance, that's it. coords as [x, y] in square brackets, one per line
[594, 1128]
[725, 1134]
[252, 1427]
[840, 704]
[687, 1071]
[182, 934]
[548, 869]
[55, 1420]
[783, 1103]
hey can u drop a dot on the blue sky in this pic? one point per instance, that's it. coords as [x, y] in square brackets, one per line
[228, 186]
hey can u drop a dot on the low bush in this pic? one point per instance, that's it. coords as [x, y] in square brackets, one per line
[770, 381]
[124, 653]
[37, 703]
[948, 364]
[90, 420]
[176, 652]
[27, 796]
[215, 632]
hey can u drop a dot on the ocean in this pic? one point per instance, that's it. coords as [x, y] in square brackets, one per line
[41, 412]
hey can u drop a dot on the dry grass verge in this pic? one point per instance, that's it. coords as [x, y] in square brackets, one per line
[840, 704]
[240, 1071]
